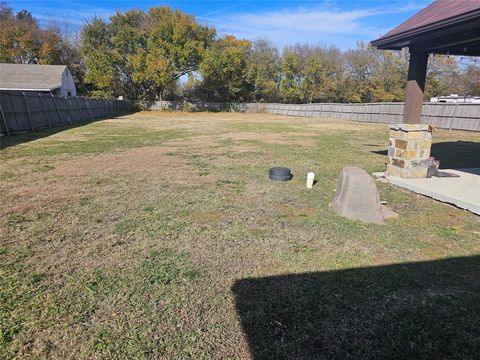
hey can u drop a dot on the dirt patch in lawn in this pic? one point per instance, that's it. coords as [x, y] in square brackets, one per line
[244, 148]
[150, 161]
[66, 180]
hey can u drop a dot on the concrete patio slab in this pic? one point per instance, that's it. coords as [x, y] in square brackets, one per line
[463, 191]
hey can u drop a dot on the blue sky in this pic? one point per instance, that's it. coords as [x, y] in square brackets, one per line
[330, 22]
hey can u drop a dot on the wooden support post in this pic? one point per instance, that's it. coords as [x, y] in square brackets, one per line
[56, 107]
[28, 111]
[5, 124]
[45, 111]
[417, 72]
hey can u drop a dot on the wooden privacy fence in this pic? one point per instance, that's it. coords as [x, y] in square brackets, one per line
[31, 111]
[446, 116]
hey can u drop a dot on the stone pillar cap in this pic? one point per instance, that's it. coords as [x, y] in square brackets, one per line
[410, 127]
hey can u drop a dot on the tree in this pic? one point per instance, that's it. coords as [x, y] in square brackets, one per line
[264, 71]
[373, 75]
[140, 54]
[360, 66]
[442, 74]
[389, 78]
[107, 49]
[470, 79]
[224, 70]
[291, 66]
[310, 73]
[23, 41]
[321, 71]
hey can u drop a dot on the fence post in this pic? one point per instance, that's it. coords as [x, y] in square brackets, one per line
[90, 107]
[4, 120]
[44, 110]
[87, 109]
[69, 115]
[79, 108]
[94, 107]
[105, 107]
[56, 107]
[28, 111]
[453, 116]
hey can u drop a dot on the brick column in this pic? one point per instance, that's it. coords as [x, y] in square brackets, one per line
[409, 150]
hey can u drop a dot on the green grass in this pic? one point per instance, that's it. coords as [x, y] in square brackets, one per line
[159, 277]
[180, 247]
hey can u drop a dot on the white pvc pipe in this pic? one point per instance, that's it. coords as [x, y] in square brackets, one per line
[310, 179]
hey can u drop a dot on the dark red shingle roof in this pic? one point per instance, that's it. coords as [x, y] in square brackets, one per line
[444, 27]
[436, 11]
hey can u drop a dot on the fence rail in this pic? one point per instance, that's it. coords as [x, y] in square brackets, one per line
[30, 111]
[446, 116]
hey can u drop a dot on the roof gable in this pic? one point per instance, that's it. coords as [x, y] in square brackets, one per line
[31, 77]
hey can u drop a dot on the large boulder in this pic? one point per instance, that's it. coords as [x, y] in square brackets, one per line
[357, 196]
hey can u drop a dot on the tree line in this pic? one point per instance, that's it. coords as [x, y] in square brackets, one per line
[165, 53]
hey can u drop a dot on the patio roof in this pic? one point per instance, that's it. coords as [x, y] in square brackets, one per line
[443, 27]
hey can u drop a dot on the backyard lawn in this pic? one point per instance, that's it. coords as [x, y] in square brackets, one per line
[159, 235]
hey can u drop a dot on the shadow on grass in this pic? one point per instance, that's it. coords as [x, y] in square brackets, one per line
[20, 138]
[453, 154]
[424, 310]
[24, 137]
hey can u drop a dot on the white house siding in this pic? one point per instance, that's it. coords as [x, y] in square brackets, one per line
[68, 86]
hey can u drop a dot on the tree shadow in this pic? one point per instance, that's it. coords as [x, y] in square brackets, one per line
[423, 310]
[453, 154]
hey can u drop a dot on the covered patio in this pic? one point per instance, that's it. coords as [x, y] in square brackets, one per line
[445, 27]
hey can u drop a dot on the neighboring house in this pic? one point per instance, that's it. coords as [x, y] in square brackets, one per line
[54, 79]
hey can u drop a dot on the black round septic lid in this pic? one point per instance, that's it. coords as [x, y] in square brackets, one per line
[279, 174]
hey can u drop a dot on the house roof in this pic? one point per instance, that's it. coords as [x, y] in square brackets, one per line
[443, 27]
[30, 77]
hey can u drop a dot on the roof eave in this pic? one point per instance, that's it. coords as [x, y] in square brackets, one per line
[36, 89]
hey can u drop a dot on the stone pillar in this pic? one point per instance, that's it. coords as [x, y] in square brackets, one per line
[409, 150]
[417, 71]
